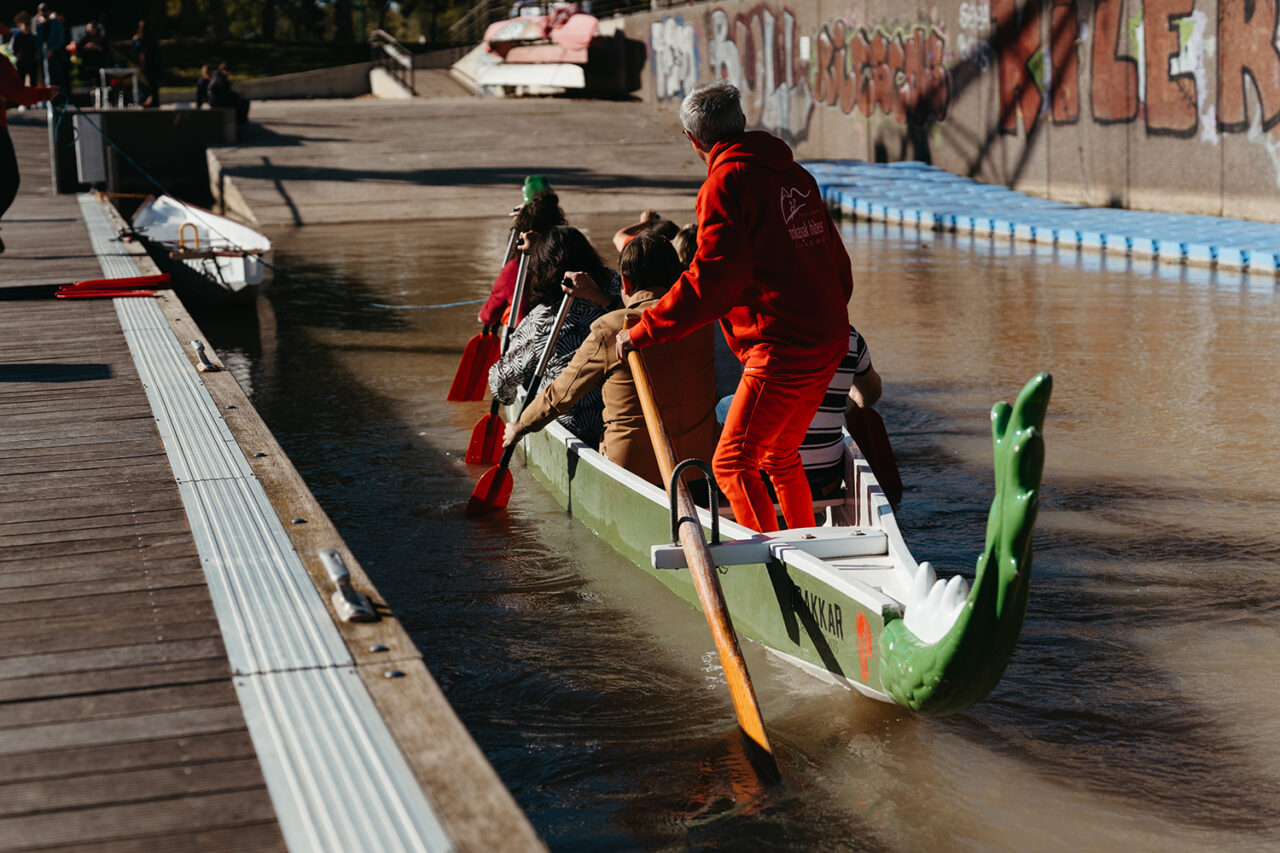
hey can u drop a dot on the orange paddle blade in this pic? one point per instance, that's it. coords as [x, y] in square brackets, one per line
[486, 441]
[464, 378]
[492, 492]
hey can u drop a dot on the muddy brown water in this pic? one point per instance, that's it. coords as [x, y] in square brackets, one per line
[1138, 711]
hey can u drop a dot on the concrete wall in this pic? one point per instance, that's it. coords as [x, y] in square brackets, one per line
[343, 81]
[165, 145]
[1172, 107]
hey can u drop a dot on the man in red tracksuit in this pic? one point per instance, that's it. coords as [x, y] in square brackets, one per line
[772, 268]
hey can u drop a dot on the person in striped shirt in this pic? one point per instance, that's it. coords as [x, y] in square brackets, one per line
[855, 383]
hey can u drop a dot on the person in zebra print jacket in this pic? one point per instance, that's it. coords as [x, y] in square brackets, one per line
[559, 251]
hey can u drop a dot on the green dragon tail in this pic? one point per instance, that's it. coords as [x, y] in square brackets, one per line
[963, 666]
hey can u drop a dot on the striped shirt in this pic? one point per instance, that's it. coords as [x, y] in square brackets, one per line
[823, 446]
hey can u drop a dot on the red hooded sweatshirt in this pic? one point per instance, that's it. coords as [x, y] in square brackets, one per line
[770, 261]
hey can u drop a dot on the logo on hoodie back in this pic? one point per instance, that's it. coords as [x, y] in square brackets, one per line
[804, 224]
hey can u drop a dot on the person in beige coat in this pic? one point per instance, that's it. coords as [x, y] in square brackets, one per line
[682, 372]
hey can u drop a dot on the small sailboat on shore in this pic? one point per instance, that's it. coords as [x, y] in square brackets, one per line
[212, 259]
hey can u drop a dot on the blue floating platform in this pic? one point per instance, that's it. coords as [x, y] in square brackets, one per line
[919, 195]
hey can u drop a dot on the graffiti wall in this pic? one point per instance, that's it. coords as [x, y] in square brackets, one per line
[1157, 104]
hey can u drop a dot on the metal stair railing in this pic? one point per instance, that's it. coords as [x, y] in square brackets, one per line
[469, 29]
[392, 57]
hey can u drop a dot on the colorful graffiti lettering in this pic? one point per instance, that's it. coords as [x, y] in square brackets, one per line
[673, 44]
[901, 74]
[1152, 66]
[759, 54]
[1182, 72]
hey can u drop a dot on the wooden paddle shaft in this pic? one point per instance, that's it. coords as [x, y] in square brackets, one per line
[701, 566]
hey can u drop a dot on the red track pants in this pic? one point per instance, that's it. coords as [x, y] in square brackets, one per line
[771, 412]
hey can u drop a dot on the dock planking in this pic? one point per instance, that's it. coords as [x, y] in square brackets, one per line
[119, 724]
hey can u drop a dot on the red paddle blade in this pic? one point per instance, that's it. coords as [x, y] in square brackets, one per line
[462, 379]
[486, 357]
[492, 492]
[80, 293]
[486, 441]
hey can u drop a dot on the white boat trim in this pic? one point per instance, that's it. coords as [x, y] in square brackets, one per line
[840, 578]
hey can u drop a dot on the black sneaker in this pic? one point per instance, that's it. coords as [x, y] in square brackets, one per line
[1, 247]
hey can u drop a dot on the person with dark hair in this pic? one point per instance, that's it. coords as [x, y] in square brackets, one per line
[686, 243]
[539, 214]
[13, 92]
[202, 86]
[91, 49]
[650, 220]
[52, 38]
[26, 52]
[561, 261]
[682, 373]
[772, 268]
[222, 95]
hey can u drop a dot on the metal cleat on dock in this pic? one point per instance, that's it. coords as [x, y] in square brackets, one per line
[352, 606]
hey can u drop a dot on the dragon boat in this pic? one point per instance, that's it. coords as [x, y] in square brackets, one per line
[846, 599]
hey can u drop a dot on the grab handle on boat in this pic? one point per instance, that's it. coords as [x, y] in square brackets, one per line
[713, 498]
[351, 605]
[182, 230]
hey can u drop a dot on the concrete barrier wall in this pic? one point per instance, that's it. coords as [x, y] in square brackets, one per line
[1172, 107]
[343, 81]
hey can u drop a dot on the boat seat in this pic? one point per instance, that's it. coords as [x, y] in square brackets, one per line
[820, 508]
[825, 543]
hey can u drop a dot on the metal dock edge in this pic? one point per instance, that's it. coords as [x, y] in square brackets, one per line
[337, 778]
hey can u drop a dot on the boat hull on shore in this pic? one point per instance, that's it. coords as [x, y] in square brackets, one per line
[211, 260]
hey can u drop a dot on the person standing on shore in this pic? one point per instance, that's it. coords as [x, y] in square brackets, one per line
[772, 268]
[26, 53]
[146, 51]
[13, 92]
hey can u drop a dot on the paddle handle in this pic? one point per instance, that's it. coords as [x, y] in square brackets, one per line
[701, 566]
[511, 241]
[517, 299]
[547, 350]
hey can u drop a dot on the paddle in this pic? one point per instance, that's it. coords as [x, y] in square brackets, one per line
[705, 580]
[494, 489]
[81, 288]
[485, 447]
[464, 379]
[866, 427]
[469, 380]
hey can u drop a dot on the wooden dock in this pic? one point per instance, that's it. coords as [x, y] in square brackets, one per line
[121, 718]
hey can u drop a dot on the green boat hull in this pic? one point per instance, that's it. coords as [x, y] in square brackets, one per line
[842, 619]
